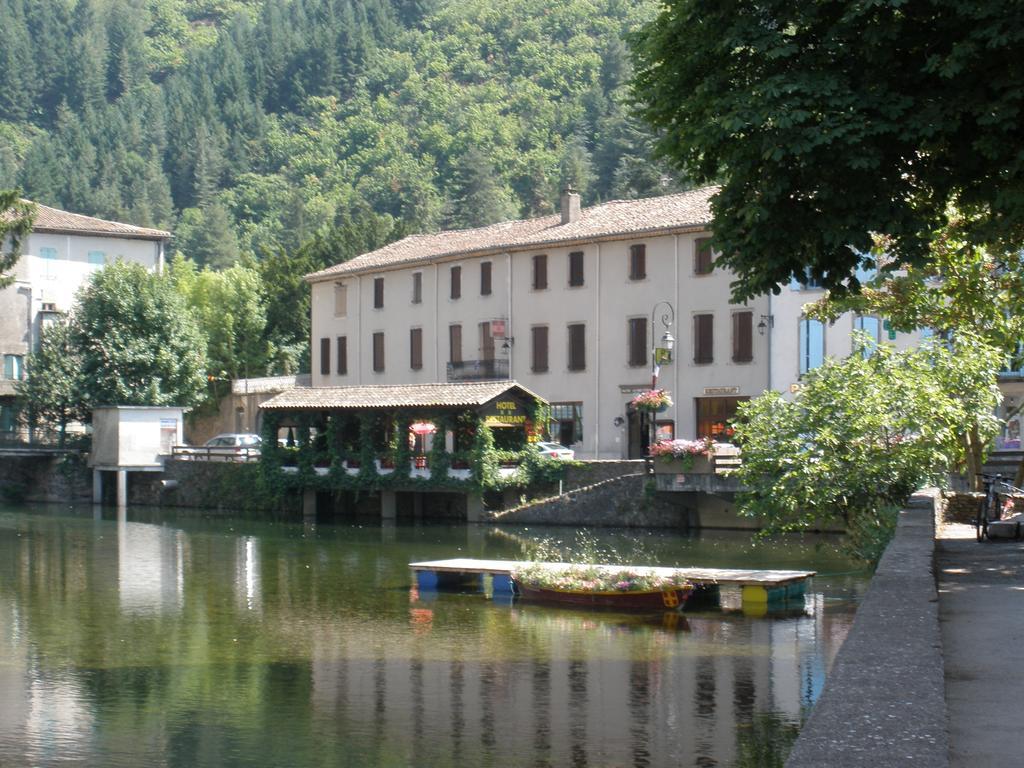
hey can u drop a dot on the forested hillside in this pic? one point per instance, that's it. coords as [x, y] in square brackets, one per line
[259, 126]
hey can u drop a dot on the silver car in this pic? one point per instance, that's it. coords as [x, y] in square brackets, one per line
[555, 451]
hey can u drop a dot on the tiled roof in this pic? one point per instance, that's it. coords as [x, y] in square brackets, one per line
[473, 393]
[615, 218]
[54, 220]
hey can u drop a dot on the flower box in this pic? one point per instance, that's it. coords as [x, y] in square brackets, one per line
[695, 465]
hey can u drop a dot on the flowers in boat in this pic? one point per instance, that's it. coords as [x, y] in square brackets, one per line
[652, 400]
[589, 578]
[683, 449]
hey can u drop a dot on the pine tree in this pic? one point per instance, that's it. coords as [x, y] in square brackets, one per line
[479, 198]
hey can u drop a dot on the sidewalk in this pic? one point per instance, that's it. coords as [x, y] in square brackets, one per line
[981, 618]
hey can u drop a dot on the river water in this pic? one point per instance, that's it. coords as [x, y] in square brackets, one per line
[164, 640]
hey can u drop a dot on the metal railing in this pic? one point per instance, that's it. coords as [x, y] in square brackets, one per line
[214, 453]
[478, 370]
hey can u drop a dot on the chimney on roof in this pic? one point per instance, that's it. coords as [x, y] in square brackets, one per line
[570, 205]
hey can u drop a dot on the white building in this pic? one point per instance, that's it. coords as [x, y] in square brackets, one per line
[563, 304]
[58, 256]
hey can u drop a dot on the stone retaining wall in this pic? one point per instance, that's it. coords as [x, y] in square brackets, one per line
[206, 484]
[960, 507]
[884, 700]
[45, 478]
[585, 473]
[619, 501]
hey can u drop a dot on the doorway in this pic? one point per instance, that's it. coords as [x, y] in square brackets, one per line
[714, 417]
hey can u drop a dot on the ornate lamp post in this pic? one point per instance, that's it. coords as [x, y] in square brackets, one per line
[660, 355]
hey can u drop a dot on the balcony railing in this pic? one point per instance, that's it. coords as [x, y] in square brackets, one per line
[478, 370]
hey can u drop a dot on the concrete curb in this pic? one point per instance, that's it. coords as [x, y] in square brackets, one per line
[884, 701]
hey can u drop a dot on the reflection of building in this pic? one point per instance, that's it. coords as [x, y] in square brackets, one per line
[150, 568]
[57, 259]
[562, 305]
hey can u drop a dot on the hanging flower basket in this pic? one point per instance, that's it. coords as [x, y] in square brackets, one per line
[653, 400]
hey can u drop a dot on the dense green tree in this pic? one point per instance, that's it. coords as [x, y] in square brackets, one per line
[862, 434]
[228, 305]
[826, 122]
[16, 217]
[139, 343]
[50, 395]
[479, 197]
[206, 236]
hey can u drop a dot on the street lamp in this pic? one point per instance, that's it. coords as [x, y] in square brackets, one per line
[660, 355]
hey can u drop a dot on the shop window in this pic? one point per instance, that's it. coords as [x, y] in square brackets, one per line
[566, 425]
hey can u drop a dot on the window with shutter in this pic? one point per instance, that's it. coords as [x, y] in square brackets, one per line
[416, 348]
[637, 261]
[577, 347]
[378, 293]
[485, 278]
[540, 272]
[342, 355]
[455, 343]
[539, 348]
[812, 344]
[703, 338]
[703, 259]
[486, 341]
[576, 269]
[97, 257]
[417, 287]
[456, 274]
[742, 337]
[340, 300]
[637, 341]
[325, 356]
[378, 352]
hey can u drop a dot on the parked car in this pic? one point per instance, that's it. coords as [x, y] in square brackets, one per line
[555, 451]
[233, 446]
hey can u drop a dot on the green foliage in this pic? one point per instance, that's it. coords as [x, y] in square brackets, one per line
[255, 127]
[228, 306]
[826, 122]
[50, 394]
[862, 434]
[138, 342]
[15, 224]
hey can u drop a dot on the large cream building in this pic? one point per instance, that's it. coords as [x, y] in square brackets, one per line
[563, 304]
[58, 256]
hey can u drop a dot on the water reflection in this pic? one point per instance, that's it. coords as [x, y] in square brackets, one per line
[196, 642]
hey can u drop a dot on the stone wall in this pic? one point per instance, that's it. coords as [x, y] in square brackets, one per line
[221, 485]
[47, 477]
[894, 646]
[585, 473]
[619, 501]
[960, 507]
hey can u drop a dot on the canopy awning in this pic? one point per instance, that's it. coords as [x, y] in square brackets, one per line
[470, 394]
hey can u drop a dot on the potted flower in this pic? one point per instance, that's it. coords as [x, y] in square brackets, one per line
[674, 456]
[654, 400]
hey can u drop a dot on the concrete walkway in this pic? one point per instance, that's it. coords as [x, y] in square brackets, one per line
[981, 618]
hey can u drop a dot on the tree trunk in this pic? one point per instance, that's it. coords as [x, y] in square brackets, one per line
[972, 454]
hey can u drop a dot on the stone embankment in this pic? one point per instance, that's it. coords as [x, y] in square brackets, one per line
[884, 700]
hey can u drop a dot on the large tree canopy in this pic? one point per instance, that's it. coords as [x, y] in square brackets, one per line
[139, 343]
[828, 121]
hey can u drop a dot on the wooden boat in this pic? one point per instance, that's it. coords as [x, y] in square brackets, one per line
[668, 599]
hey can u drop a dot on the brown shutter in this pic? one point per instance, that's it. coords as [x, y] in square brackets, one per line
[455, 343]
[415, 348]
[378, 292]
[576, 268]
[417, 287]
[540, 272]
[378, 351]
[456, 282]
[485, 278]
[486, 341]
[342, 355]
[325, 356]
[540, 348]
[577, 347]
[702, 262]
[742, 337]
[637, 261]
[703, 338]
[638, 341]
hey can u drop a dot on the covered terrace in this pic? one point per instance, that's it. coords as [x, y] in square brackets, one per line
[467, 437]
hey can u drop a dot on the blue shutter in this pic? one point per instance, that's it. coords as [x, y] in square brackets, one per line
[812, 345]
[97, 257]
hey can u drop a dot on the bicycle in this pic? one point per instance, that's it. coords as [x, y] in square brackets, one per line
[991, 508]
